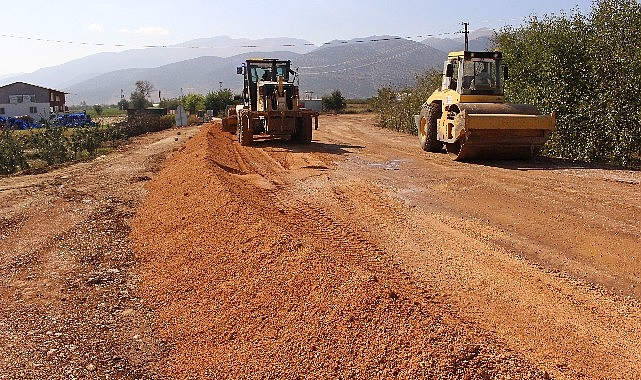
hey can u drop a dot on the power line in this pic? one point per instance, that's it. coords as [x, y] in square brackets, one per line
[330, 43]
[250, 46]
[369, 63]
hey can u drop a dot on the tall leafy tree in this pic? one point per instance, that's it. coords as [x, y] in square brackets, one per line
[587, 68]
[217, 101]
[194, 102]
[139, 99]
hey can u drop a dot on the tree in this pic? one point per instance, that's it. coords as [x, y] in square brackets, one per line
[396, 109]
[171, 103]
[586, 68]
[123, 104]
[139, 98]
[98, 109]
[334, 102]
[194, 102]
[217, 101]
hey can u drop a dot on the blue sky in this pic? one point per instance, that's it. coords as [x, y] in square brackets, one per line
[82, 26]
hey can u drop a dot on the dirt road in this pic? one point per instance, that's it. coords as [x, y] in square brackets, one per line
[356, 256]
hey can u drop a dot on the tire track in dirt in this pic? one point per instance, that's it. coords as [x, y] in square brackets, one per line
[474, 221]
[251, 281]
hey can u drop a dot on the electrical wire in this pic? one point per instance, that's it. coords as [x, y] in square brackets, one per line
[336, 42]
[369, 62]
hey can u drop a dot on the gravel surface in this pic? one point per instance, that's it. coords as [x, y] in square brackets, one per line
[186, 255]
[254, 284]
[70, 307]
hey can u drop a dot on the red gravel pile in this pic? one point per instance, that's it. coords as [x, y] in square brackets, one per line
[247, 283]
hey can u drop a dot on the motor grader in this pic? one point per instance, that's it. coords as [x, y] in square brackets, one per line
[270, 104]
[468, 116]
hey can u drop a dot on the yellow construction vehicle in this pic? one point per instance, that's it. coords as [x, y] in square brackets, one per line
[270, 108]
[468, 115]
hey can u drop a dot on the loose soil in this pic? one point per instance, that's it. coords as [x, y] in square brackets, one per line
[357, 256]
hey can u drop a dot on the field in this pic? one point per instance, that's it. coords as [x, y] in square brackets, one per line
[185, 255]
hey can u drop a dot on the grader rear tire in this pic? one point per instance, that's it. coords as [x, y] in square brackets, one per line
[245, 134]
[305, 136]
[427, 129]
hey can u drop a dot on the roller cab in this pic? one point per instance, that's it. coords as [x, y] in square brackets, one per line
[468, 116]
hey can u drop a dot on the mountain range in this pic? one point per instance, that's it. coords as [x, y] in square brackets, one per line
[357, 67]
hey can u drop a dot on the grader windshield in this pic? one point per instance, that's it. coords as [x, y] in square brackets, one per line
[268, 70]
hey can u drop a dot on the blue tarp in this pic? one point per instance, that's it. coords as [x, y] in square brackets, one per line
[70, 120]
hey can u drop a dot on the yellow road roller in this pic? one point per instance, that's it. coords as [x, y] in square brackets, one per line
[469, 119]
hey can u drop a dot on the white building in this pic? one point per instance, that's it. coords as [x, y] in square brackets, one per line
[20, 99]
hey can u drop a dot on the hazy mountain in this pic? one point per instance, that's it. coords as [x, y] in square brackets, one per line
[198, 75]
[76, 71]
[479, 40]
[357, 67]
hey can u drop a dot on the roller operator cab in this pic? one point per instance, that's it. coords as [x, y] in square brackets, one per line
[270, 104]
[468, 115]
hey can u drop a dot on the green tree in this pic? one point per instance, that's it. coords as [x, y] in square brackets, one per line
[194, 102]
[98, 109]
[139, 98]
[335, 102]
[123, 104]
[586, 68]
[217, 101]
[171, 103]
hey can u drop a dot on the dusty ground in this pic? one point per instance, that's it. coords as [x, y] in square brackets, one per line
[356, 256]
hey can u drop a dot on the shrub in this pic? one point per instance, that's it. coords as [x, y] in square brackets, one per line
[11, 152]
[587, 69]
[396, 109]
[334, 102]
[51, 144]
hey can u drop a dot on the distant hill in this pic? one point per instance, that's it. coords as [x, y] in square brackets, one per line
[479, 40]
[198, 75]
[355, 68]
[76, 71]
[358, 69]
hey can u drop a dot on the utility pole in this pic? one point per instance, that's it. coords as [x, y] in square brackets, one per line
[466, 35]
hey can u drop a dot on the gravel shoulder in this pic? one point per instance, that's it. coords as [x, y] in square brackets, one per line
[68, 299]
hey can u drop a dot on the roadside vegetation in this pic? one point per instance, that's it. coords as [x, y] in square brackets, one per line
[586, 67]
[53, 144]
[396, 108]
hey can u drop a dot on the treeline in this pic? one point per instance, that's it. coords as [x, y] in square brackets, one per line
[586, 67]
